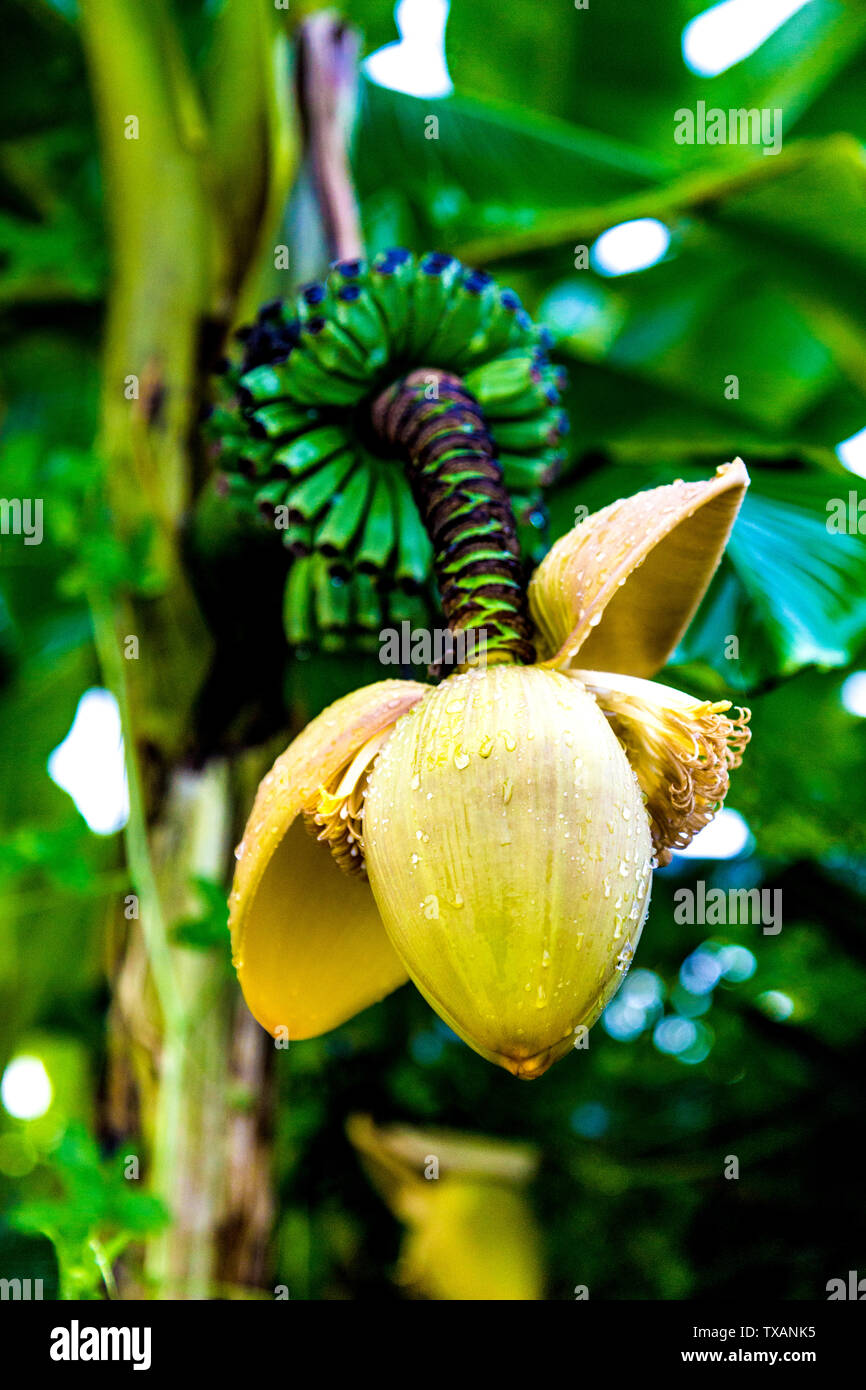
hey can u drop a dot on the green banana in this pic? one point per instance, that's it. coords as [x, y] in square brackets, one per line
[290, 423]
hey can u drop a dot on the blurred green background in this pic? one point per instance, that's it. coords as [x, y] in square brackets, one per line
[724, 1041]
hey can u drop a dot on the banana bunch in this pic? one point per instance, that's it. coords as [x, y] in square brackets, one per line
[295, 436]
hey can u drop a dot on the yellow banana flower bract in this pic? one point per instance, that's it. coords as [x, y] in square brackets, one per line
[470, 1231]
[493, 837]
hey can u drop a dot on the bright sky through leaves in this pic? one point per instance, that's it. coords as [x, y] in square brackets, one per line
[416, 63]
[630, 246]
[726, 34]
[89, 763]
[726, 836]
[852, 452]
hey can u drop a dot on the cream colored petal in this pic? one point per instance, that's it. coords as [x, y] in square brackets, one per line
[308, 943]
[682, 750]
[623, 586]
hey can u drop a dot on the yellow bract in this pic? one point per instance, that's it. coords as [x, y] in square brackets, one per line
[623, 586]
[470, 1231]
[307, 939]
[509, 853]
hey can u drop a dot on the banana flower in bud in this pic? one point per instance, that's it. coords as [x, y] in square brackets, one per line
[470, 1231]
[492, 838]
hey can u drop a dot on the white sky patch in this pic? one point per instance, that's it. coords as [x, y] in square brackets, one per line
[26, 1090]
[89, 763]
[416, 64]
[853, 694]
[630, 246]
[727, 33]
[726, 836]
[852, 453]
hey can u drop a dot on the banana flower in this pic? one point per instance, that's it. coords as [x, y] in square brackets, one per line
[492, 837]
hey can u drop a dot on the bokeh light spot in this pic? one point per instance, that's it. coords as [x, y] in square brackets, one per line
[630, 246]
[26, 1090]
[775, 1005]
[90, 766]
[853, 694]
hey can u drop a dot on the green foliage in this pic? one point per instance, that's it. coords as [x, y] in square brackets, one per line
[208, 930]
[764, 279]
[561, 126]
[90, 1211]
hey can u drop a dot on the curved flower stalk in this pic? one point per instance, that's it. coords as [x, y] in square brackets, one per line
[470, 1230]
[402, 358]
[492, 837]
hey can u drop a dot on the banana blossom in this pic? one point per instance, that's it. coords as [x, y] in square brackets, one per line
[493, 837]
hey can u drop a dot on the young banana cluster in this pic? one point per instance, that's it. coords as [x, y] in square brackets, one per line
[297, 438]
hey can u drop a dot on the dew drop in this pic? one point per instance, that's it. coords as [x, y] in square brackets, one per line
[623, 960]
